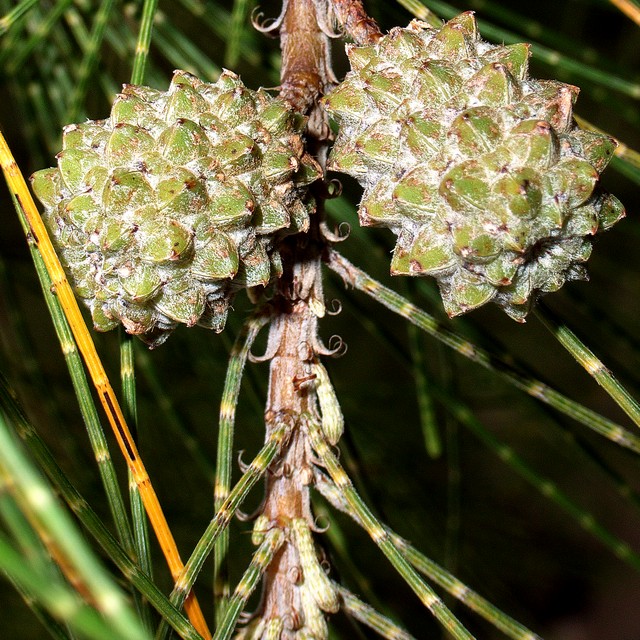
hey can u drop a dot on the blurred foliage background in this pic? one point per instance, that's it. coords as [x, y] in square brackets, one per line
[461, 503]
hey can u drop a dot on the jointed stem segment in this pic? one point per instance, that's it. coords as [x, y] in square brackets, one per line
[432, 570]
[251, 476]
[140, 525]
[89, 519]
[228, 404]
[88, 409]
[262, 558]
[360, 280]
[37, 234]
[381, 537]
[371, 618]
[591, 364]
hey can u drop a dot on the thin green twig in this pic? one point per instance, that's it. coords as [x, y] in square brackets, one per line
[127, 359]
[338, 542]
[432, 570]
[590, 363]
[89, 519]
[238, 22]
[84, 397]
[370, 617]
[262, 558]
[229, 402]
[144, 41]
[138, 513]
[530, 385]
[250, 477]
[381, 538]
[37, 500]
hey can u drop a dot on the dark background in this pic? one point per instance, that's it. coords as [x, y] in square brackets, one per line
[467, 509]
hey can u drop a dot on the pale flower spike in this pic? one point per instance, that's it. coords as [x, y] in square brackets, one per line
[331, 413]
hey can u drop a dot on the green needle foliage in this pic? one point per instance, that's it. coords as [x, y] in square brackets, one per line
[486, 484]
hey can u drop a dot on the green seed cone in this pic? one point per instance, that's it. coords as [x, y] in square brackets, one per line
[163, 211]
[479, 170]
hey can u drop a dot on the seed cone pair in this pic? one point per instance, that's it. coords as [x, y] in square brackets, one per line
[165, 209]
[161, 212]
[480, 170]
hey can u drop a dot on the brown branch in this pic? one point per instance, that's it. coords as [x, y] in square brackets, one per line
[293, 347]
[306, 73]
[353, 18]
[291, 398]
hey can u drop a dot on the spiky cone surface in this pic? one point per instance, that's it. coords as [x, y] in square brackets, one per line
[161, 212]
[479, 169]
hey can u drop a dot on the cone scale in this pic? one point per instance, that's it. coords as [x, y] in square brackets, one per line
[168, 207]
[479, 170]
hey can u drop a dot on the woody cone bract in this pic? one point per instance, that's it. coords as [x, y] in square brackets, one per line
[161, 212]
[478, 169]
